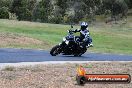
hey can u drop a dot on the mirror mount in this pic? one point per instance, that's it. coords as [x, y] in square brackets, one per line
[71, 26]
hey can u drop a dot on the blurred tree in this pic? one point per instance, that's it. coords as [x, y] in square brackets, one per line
[64, 11]
[31, 7]
[4, 8]
[4, 13]
[129, 3]
[116, 7]
[44, 10]
[5, 3]
[62, 6]
[23, 9]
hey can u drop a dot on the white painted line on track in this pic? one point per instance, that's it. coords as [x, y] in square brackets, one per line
[2, 65]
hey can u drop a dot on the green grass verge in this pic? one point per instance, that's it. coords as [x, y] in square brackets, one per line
[106, 38]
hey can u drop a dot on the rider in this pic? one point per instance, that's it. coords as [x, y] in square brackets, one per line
[84, 35]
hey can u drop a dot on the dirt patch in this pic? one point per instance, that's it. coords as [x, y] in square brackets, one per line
[61, 75]
[14, 39]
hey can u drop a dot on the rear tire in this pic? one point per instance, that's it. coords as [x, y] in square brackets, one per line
[55, 50]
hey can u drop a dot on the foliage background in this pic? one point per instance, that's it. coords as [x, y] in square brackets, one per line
[65, 11]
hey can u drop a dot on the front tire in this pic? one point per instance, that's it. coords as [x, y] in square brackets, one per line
[55, 50]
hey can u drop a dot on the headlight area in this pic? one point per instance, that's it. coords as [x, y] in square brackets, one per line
[64, 39]
[67, 42]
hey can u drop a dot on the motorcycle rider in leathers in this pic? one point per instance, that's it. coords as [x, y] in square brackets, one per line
[84, 35]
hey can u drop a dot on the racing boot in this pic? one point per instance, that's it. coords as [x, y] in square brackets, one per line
[89, 45]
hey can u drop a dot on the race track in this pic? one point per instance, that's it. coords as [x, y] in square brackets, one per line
[9, 55]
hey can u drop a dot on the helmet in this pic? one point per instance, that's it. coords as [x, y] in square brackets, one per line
[84, 25]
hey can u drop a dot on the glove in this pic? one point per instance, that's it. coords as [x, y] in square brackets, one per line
[69, 31]
[76, 30]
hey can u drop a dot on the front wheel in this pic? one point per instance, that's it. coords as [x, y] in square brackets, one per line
[55, 50]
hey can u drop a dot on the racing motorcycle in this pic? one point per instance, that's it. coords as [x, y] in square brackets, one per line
[69, 46]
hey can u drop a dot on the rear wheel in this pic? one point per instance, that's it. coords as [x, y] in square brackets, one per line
[55, 50]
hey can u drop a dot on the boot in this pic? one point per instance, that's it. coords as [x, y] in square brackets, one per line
[89, 45]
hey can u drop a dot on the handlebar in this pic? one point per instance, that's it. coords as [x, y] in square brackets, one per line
[73, 31]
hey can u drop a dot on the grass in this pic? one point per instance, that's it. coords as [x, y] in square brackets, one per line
[106, 38]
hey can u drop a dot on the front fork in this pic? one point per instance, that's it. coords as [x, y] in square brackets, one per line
[62, 45]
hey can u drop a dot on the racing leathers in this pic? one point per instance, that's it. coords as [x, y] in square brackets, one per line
[84, 37]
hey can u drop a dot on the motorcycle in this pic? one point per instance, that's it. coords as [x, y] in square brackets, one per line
[69, 46]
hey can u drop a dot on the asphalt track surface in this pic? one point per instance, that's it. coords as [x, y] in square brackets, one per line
[9, 55]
